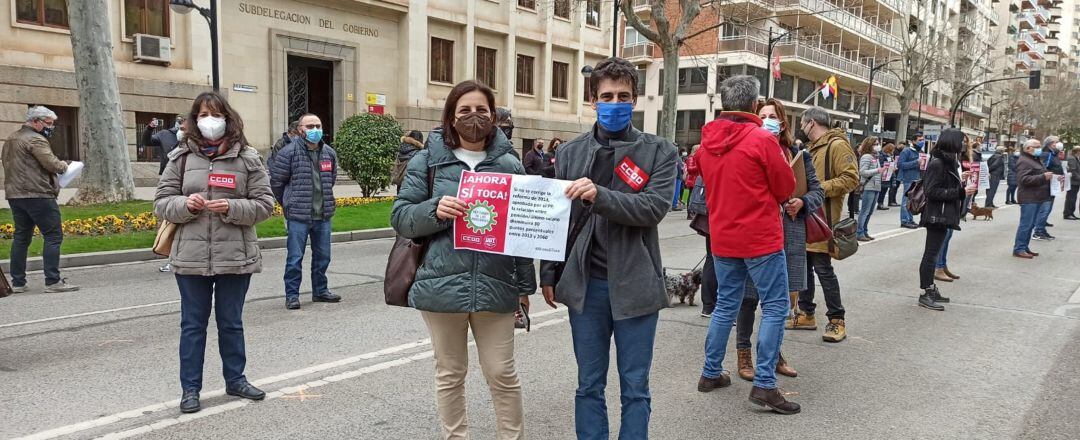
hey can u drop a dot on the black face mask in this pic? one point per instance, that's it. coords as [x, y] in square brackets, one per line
[46, 131]
[801, 135]
[508, 131]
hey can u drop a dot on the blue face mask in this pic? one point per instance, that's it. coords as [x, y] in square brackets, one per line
[1036, 153]
[614, 116]
[314, 135]
[773, 125]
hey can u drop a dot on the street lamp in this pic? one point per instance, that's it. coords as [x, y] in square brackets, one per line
[210, 14]
[870, 92]
[587, 73]
[989, 118]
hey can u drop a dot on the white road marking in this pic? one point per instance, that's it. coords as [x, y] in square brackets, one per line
[80, 315]
[1075, 298]
[293, 390]
[157, 407]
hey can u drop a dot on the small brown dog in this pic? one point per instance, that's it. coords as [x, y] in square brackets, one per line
[976, 212]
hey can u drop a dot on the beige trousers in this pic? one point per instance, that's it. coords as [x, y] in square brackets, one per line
[494, 336]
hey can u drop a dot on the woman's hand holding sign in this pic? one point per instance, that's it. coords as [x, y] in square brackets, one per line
[450, 208]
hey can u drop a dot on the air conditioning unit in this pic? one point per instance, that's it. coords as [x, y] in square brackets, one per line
[152, 49]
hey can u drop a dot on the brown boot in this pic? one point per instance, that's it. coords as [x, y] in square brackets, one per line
[774, 400]
[801, 321]
[706, 384]
[939, 274]
[783, 368]
[746, 364]
[949, 273]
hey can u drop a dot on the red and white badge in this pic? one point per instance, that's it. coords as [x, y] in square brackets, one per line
[633, 175]
[222, 180]
[326, 165]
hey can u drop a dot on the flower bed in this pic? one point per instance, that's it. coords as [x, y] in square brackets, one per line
[145, 221]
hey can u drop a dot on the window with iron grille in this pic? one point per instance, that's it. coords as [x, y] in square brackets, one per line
[560, 80]
[562, 9]
[485, 66]
[149, 17]
[527, 4]
[592, 12]
[442, 60]
[525, 74]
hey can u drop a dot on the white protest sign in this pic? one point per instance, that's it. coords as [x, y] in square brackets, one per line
[74, 169]
[510, 214]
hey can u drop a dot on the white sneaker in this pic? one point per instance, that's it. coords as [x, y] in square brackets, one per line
[18, 289]
[62, 286]
[166, 268]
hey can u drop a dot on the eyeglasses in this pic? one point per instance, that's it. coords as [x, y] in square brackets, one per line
[312, 126]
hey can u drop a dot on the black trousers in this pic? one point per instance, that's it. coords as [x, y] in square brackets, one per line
[744, 323]
[821, 264]
[853, 204]
[708, 281]
[1070, 200]
[935, 238]
[893, 189]
[992, 191]
[45, 215]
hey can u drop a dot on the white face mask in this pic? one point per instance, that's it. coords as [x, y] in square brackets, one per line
[212, 127]
[1060, 146]
[877, 148]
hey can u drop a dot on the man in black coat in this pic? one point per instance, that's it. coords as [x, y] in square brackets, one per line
[162, 140]
[996, 167]
[537, 162]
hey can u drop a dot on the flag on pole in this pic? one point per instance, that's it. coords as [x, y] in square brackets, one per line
[776, 67]
[829, 87]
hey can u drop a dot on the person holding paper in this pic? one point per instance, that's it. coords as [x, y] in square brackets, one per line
[459, 290]
[888, 176]
[31, 185]
[870, 178]
[1074, 182]
[996, 167]
[612, 280]
[1049, 158]
[1033, 190]
[747, 180]
[215, 189]
[302, 175]
[807, 198]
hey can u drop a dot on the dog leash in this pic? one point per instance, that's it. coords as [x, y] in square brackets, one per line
[696, 267]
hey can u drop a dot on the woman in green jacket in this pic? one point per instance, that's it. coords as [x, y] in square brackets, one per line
[456, 290]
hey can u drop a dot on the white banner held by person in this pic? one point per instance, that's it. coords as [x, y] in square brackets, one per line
[511, 214]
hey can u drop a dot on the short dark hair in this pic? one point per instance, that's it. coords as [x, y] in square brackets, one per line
[950, 141]
[417, 135]
[449, 114]
[615, 69]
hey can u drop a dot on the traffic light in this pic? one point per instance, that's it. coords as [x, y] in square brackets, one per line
[1034, 79]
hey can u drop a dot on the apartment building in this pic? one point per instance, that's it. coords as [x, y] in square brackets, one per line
[978, 33]
[813, 39]
[334, 58]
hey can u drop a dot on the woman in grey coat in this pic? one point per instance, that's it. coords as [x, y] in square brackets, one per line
[794, 220]
[456, 290]
[870, 178]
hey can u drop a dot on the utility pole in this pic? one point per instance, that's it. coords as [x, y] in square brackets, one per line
[615, 29]
[768, 56]
[870, 94]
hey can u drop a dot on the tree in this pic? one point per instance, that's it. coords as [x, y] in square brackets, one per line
[973, 60]
[107, 176]
[917, 67]
[367, 145]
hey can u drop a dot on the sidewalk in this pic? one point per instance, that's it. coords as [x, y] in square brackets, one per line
[147, 193]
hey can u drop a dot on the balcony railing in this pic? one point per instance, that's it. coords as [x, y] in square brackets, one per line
[1026, 20]
[1037, 51]
[831, 62]
[1023, 60]
[1027, 42]
[847, 21]
[637, 52]
[986, 11]
[1042, 15]
[1039, 34]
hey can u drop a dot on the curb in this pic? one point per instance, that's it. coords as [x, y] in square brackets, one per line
[136, 255]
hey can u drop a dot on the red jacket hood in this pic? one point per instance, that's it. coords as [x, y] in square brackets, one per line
[727, 131]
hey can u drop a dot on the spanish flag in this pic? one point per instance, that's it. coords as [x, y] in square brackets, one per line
[829, 88]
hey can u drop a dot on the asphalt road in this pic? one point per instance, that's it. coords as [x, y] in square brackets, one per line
[1003, 361]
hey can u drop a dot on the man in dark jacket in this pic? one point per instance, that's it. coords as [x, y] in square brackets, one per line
[623, 182]
[1010, 177]
[1034, 190]
[996, 167]
[162, 140]
[31, 187]
[1050, 148]
[411, 144]
[302, 177]
[286, 138]
[746, 172]
[1074, 182]
[536, 160]
[909, 168]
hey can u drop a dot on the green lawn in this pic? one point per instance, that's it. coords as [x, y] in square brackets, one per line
[347, 218]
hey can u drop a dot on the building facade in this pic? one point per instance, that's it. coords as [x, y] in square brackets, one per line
[334, 58]
[813, 39]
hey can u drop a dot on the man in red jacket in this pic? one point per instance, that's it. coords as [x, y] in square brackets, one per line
[747, 178]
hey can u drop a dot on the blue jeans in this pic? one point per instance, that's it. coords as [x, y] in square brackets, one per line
[905, 216]
[678, 193]
[942, 256]
[225, 294]
[769, 274]
[1045, 208]
[869, 198]
[298, 233]
[592, 330]
[1028, 214]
